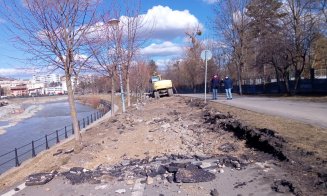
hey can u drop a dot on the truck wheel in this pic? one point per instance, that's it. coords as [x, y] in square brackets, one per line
[170, 92]
[156, 95]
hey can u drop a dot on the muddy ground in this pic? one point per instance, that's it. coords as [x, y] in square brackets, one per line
[184, 128]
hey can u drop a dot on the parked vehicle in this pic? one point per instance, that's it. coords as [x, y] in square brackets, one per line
[161, 87]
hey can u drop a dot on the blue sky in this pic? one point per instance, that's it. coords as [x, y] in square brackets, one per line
[173, 18]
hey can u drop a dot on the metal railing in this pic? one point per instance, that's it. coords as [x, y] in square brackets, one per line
[18, 155]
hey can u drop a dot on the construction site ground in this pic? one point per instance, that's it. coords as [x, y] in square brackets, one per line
[183, 146]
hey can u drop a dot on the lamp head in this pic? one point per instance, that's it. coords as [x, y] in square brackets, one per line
[114, 22]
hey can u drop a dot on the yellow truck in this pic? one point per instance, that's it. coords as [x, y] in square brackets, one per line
[161, 87]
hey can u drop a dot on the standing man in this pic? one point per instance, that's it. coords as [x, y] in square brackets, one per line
[228, 83]
[214, 86]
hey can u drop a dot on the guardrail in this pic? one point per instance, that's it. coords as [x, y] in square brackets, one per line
[18, 155]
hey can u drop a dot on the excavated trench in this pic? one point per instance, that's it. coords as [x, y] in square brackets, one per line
[264, 140]
[268, 141]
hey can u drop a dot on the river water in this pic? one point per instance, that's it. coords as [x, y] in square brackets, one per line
[53, 116]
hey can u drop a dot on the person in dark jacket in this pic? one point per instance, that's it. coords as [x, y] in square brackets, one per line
[214, 86]
[228, 83]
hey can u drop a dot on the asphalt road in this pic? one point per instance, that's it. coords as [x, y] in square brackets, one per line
[314, 113]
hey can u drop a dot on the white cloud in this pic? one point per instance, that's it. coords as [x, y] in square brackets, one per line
[159, 22]
[166, 23]
[9, 72]
[162, 49]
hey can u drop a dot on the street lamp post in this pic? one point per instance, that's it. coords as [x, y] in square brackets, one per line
[115, 23]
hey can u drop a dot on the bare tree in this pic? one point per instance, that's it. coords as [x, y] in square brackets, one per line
[192, 62]
[103, 40]
[140, 73]
[231, 24]
[52, 32]
[133, 26]
[267, 38]
[303, 27]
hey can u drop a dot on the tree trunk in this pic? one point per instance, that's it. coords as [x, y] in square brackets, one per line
[112, 95]
[286, 80]
[128, 95]
[278, 79]
[239, 78]
[297, 81]
[73, 113]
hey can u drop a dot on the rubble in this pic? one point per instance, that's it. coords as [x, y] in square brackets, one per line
[284, 186]
[78, 175]
[120, 191]
[214, 192]
[321, 181]
[193, 174]
[173, 168]
[39, 178]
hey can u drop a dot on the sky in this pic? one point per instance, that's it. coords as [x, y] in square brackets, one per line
[166, 41]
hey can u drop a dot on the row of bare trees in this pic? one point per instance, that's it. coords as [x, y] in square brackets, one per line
[77, 36]
[259, 35]
[258, 39]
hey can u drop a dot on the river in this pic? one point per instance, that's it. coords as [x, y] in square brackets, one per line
[53, 116]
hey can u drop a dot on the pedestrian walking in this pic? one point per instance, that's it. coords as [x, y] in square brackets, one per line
[215, 86]
[228, 83]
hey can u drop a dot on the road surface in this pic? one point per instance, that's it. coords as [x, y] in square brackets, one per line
[314, 113]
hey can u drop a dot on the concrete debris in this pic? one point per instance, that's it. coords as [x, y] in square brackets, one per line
[214, 192]
[321, 181]
[173, 168]
[59, 151]
[165, 126]
[205, 165]
[284, 186]
[120, 191]
[39, 179]
[130, 182]
[149, 180]
[69, 151]
[193, 175]
[99, 187]
[78, 175]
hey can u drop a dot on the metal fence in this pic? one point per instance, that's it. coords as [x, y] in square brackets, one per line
[16, 156]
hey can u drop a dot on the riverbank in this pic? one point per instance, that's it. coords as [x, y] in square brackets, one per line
[19, 109]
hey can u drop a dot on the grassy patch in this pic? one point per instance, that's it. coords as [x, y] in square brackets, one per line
[298, 135]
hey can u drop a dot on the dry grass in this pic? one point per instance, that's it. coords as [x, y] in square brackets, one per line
[297, 134]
